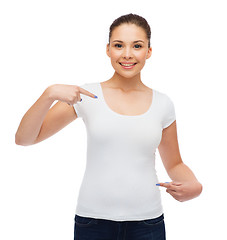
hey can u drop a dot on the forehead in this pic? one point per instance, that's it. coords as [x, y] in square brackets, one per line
[128, 32]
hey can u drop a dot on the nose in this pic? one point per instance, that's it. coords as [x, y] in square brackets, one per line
[127, 54]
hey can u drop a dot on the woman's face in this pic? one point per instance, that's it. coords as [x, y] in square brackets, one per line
[128, 49]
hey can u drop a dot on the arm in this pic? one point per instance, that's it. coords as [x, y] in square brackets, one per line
[185, 186]
[181, 172]
[40, 122]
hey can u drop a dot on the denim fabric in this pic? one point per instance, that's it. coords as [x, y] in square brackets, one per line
[86, 228]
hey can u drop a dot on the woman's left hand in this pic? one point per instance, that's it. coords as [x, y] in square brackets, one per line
[183, 191]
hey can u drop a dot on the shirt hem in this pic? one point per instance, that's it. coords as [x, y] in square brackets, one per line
[120, 218]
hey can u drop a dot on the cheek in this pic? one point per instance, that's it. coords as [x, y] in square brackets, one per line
[115, 56]
[141, 56]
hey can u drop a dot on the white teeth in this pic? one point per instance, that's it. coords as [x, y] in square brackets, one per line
[127, 65]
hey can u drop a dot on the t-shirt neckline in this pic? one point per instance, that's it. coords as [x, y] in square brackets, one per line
[122, 115]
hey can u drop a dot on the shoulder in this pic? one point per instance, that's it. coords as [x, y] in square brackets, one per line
[166, 108]
[163, 97]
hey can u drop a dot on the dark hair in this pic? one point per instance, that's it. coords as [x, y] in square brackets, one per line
[133, 19]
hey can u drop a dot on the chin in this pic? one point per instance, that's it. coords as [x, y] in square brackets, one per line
[127, 74]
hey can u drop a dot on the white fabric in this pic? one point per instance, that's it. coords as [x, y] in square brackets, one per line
[120, 179]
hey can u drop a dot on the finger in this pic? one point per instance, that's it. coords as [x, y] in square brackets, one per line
[173, 193]
[167, 185]
[85, 92]
[176, 183]
[174, 187]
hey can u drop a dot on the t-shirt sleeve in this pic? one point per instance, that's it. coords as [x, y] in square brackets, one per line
[169, 115]
[78, 107]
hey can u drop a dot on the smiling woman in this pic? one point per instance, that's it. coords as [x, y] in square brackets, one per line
[126, 122]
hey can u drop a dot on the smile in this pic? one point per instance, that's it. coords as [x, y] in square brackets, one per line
[127, 65]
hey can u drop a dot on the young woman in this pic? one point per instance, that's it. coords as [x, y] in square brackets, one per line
[126, 122]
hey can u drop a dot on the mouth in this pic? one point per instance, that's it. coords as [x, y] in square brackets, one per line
[127, 65]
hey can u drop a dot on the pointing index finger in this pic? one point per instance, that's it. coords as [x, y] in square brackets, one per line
[173, 186]
[166, 184]
[85, 92]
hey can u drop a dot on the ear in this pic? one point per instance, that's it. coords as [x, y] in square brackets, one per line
[149, 52]
[108, 50]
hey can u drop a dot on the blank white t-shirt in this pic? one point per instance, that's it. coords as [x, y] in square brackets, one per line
[120, 179]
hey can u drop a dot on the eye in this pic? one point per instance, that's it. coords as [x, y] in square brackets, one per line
[118, 45]
[138, 46]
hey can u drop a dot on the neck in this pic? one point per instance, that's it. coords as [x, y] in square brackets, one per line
[126, 84]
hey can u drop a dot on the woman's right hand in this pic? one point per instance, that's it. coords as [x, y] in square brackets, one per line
[67, 93]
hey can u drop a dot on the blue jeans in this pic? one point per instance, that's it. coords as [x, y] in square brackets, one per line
[87, 228]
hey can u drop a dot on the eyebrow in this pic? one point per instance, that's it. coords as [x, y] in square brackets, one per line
[133, 42]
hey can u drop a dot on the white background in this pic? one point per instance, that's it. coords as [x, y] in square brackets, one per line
[45, 42]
